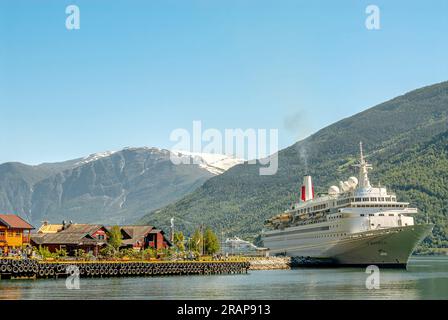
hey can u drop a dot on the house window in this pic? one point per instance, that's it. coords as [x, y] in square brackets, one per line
[100, 237]
[18, 234]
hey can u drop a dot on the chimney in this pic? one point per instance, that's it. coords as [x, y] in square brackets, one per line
[307, 189]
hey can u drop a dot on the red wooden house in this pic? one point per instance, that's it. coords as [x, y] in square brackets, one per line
[88, 237]
[143, 237]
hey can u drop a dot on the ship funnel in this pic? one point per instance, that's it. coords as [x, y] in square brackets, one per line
[307, 192]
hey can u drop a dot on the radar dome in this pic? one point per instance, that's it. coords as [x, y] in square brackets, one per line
[352, 181]
[333, 190]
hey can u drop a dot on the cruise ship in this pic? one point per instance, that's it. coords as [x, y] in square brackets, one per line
[354, 224]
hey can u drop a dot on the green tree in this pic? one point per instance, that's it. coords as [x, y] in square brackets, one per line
[114, 239]
[211, 243]
[196, 241]
[179, 241]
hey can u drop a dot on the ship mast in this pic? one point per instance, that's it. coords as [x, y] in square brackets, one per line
[364, 182]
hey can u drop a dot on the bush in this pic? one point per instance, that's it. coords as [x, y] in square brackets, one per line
[61, 253]
[45, 253]
[108, 252]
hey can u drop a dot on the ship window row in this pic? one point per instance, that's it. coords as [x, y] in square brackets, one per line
[366, 199]
[330, 235]
[372, 199]
[335, 217]
[344, 201]
[315, 208]
[380, 206]
[381, 215]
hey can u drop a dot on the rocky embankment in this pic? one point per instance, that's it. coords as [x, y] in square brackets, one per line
[270, 263]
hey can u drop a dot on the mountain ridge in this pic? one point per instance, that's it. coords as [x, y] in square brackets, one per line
[105, 187]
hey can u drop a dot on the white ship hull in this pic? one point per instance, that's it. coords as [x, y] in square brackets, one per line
[385, 247]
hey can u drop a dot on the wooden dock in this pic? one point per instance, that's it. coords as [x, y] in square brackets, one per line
[14, 269]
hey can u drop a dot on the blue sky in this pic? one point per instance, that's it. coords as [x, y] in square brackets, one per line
[136, 70]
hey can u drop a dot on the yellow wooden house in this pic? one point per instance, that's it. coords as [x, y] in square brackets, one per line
[14, 232]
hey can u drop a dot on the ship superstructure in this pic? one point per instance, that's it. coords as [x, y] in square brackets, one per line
[353, 224]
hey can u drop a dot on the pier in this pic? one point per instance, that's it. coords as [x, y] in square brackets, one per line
[16, 269]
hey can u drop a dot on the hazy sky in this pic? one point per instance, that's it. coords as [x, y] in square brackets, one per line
[136, 70]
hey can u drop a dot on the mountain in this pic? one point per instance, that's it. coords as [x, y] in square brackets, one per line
[107, 187]
[404, 138]
[17, 181]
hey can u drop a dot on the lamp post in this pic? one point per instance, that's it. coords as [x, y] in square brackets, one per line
[202, 237]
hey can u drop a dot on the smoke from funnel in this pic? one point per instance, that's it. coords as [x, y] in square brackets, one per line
[304, 156]
[299, 124]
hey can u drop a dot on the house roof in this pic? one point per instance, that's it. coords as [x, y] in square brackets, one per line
[50, 228]
[64, 238]
[82, 228]
[135, 233]
[15, 222]
[74, 234]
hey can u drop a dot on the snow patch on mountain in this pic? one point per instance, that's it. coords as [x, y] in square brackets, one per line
[212, 162]
[94, 157]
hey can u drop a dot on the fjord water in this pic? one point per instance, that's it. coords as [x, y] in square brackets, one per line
[425, 278]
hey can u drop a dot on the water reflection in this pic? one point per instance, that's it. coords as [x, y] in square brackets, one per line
[426, 278]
